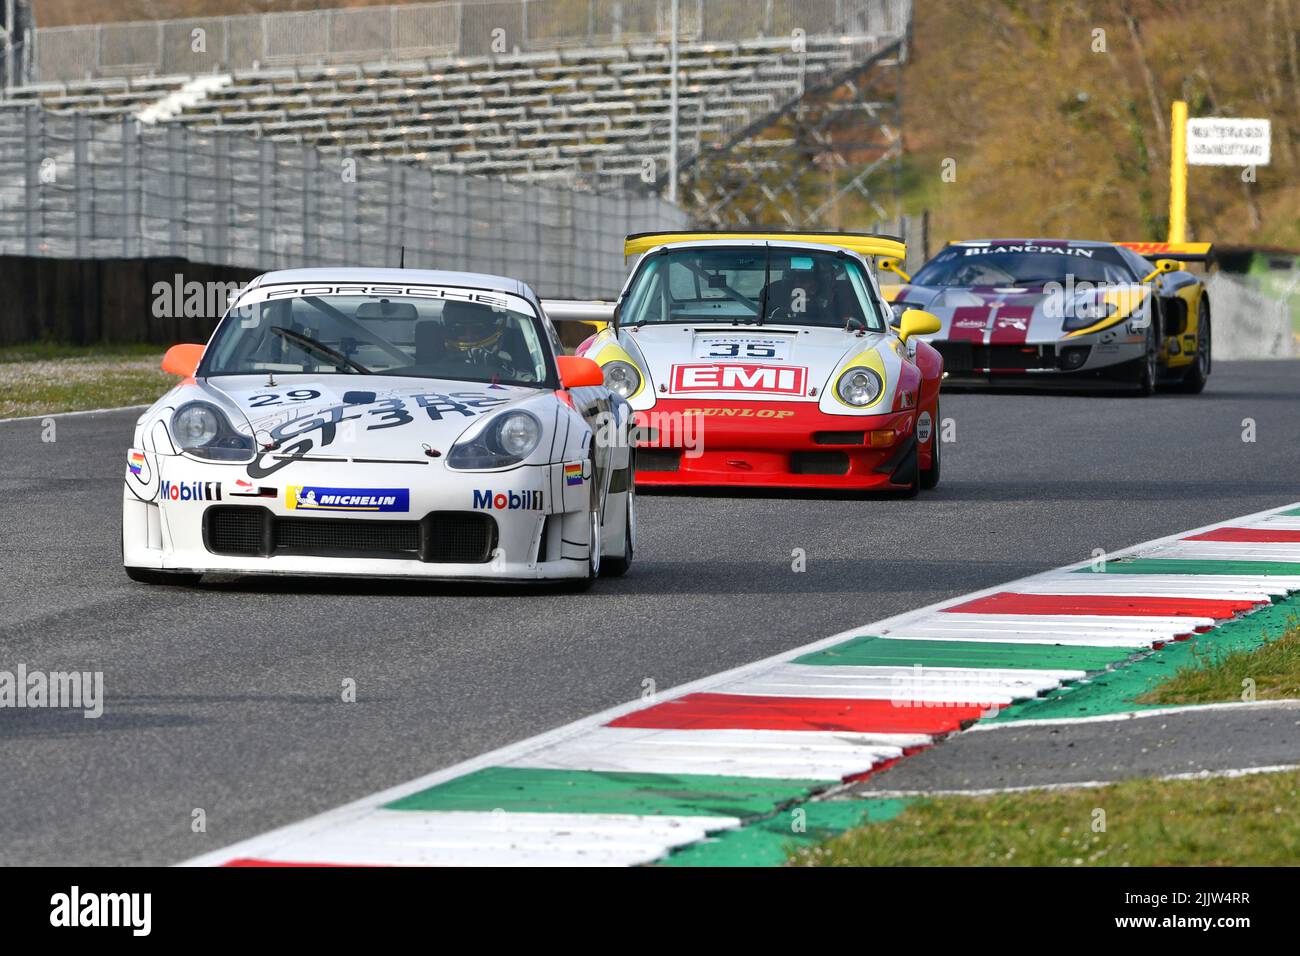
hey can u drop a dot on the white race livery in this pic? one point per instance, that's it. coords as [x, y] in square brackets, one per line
[381, 422]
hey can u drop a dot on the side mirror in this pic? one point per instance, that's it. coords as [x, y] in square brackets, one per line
[893, 265]
[1162, 266]
[917, 322]
[182, 360]
[577, 372]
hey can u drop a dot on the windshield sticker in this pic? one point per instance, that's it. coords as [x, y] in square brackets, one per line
[1053, 250]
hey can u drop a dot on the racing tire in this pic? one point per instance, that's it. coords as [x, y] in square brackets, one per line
[1148, 373]
[909, 468]
[584, 583]
[617, 567]
[153, 576]
[930, 476]
[1194, 379]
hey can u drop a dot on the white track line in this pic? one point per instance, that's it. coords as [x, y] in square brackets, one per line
[986, 726]
[264, 845]
[89, 411]
[1082, 784]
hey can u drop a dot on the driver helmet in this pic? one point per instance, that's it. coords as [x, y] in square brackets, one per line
[822, 273]
[470, 325]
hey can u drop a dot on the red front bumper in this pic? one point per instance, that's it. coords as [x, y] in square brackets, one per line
[772, 445]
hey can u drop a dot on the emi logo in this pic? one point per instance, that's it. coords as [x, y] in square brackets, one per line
[768, 379]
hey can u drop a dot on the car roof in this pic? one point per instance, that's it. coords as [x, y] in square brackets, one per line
[470, 280]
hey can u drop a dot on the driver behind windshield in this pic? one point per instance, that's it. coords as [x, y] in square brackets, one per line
[474, 336]
[813, 295]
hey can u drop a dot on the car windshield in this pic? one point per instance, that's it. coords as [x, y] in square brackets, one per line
[1023, 264]
[753, 285]
[417, 336]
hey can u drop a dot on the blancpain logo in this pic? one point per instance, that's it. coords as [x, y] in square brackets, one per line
[103, 909]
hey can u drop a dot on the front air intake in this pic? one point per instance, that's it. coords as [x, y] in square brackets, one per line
[441, 537]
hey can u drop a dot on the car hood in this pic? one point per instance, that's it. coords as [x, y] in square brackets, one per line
[770, 362]
[999, 315]
[377, 418]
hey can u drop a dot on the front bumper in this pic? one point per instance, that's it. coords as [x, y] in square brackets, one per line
[1110, 354]
[773, 445]
[363, 519]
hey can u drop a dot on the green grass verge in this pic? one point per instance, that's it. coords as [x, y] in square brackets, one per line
[1242, 821]
[42, 378]
[769, 841]
[1270, 672]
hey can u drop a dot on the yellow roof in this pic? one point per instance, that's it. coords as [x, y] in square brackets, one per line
[862, 243]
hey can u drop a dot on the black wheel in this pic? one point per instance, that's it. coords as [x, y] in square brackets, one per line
[1148, 375]
[616, 567]
[575, 585]
[930, 476]
[1194, 378]
[151, 576]
[908, 475]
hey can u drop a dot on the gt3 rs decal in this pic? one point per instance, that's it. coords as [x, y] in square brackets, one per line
[317, 498]
[766, 379]
[382, 414]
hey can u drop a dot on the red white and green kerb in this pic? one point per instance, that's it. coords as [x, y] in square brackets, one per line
[630, 785]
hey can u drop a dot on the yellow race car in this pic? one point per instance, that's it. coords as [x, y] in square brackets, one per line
[1034, 311]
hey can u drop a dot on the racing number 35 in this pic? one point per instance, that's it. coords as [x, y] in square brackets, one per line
[758, 350]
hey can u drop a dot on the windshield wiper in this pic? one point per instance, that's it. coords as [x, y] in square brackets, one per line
[320, 348]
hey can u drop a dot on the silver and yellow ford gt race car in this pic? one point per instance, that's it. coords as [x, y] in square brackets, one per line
[1037, 311]
[386, 423]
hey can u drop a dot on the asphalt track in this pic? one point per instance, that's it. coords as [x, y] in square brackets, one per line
[227, 697]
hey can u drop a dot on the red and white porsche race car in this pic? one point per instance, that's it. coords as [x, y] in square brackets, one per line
[768, 360]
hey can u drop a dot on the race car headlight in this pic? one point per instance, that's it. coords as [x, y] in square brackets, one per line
[859, 387]
[204, 431]
[506, 440]
[622, 378]
[1087, 312]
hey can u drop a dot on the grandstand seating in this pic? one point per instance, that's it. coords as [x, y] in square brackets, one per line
[588, 118]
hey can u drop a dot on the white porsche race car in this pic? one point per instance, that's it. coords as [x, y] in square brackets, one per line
[381, 422]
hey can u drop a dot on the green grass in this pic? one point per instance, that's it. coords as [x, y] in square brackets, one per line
[43, 377]
[1242, 821]
[1222, 676]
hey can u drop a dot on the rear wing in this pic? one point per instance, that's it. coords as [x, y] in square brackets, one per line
[1181, 251]
[863, 243]
[578, 310]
